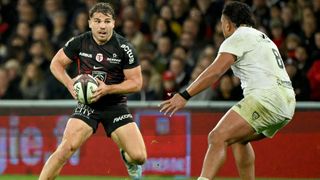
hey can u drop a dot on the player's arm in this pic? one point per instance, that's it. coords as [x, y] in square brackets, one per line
[209, 76]
[212, 73]
[132, 83]
[58, 67]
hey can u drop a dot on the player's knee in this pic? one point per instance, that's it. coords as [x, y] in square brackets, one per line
[139, 157]
[215, 137]
[65, 151]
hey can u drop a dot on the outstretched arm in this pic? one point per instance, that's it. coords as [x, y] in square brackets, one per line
[209, 76]
[58, 67]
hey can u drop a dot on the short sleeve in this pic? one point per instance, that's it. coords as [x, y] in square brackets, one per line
[72, 48]
[130, 56]
[233, 45]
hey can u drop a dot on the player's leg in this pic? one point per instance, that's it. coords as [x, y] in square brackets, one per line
[129, 138]
[75, 134]
[244, 156]
[231, 129]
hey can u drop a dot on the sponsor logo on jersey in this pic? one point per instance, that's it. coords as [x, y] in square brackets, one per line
[100, 75]
[114, 60]
[97, 67]
[99, 57]
[85, 55]
[120, 118]
[128, 50]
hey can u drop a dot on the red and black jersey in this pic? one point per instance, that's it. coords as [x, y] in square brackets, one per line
[105, 62]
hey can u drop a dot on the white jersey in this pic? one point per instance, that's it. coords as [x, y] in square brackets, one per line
[260, 69]
[259, 64]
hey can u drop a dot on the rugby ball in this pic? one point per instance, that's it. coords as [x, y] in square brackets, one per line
[84, 86]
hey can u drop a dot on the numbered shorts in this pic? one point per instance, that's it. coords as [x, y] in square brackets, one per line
[262, 119]
[111, 117]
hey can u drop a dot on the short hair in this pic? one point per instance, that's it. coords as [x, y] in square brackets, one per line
[104, 8]
[238, 13]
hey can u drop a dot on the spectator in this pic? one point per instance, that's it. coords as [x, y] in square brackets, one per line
[276, 30]
[32, 84]
[314, 79]
[300, 82]
[80, 22]
[60, 31]
[169, 86]
[146, 93]
[40, 33]
[178, 67]
[132, 33]
[163, 53]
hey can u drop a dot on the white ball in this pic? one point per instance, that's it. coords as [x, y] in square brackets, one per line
[84, 86]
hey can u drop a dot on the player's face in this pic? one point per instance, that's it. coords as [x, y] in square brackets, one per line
[101, 27]
[226, 26]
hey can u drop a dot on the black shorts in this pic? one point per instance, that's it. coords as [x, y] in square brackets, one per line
[111, 117]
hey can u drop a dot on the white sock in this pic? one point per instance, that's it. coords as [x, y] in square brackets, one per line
[202, 178]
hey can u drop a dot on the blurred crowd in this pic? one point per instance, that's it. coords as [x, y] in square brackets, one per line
[175, 41]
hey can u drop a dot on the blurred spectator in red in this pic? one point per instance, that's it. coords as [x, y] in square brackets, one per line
[169, 86]
[315, 54]
[32, 84]
[314, 78]
[291, 43]
[276, 30]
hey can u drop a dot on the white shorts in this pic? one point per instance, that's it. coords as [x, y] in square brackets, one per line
[267, 111]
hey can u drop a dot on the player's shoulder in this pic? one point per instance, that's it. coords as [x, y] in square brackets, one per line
[120, 39]
[78, 38]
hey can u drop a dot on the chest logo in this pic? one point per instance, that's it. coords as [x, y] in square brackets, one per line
[99, 57]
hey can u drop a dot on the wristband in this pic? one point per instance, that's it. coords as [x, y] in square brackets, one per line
[185, 95]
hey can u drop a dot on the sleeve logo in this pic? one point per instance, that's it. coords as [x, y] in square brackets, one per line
[128, 50]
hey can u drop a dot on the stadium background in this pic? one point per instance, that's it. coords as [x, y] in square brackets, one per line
[175, 40]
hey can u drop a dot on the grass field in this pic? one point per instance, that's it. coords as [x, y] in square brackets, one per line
[15, 177]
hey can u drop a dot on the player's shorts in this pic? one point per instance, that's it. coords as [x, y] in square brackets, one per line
[265, 118]
[111, 117]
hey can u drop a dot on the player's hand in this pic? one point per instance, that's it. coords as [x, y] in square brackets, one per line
[173, 104]
[100, 91]
[71, 89]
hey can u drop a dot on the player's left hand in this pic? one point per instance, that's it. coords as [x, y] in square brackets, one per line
[173, 104]
[100, 91]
